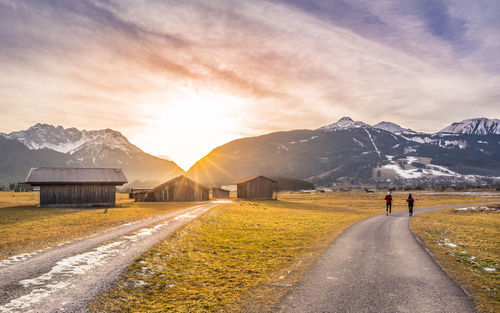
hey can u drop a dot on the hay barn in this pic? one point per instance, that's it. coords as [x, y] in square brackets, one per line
[134, 192]
[180, 188]
[219, 193]
[257, 188]
[61, 186]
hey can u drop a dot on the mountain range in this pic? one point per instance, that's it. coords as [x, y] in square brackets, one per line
[347, 149]
[355, 151]
[45, 145]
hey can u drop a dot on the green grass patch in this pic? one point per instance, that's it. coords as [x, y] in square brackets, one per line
[466, 243]
[24, 227]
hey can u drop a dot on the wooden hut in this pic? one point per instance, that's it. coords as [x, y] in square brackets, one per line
[138, 192]
[257, 188]
[219, 193]
[180, 188]
[61, 186]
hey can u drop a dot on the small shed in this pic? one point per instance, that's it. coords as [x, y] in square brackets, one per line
[134, 192]
[180, 188]
[61, 186]
[219, 193]
[258, 188]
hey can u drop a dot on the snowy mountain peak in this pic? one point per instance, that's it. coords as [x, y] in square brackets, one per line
[392, 128]
[70, 140]
[344, 123]
[475, 126]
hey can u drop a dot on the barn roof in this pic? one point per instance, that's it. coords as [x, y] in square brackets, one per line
[217, 188]
[177, 178]
[253, 178]
[66, 175]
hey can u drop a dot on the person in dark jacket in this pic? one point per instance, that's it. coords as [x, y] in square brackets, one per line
[410, 201]
[388, 204]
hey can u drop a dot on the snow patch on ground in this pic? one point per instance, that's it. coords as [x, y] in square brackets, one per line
[59, 276]
[21, 257]
[489, 269]
[412, 173]
[447, 242]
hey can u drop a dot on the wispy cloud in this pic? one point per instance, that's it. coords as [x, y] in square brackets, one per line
[275, 64]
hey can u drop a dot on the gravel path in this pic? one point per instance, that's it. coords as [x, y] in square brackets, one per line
[377, 265]
[67, 277]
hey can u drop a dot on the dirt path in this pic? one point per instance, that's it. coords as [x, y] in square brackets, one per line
[376, 265]
[65, 278]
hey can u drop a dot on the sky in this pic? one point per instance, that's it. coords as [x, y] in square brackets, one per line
[179, 78]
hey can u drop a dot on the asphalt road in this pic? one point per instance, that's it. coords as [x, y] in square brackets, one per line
[376, 265]
[67, 277]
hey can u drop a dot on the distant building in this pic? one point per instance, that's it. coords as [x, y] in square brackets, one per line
[134, 192]
[76, 186]
[257, 188]
[219, 193]
[180, 188]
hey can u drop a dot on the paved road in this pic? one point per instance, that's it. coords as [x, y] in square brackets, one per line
[376, 265]
[67, 277]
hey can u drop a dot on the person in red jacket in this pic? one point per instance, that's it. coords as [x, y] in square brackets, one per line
[410, 201]
[388, 204]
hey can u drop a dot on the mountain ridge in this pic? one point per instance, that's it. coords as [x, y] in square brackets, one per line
[352, 150]
[85, 148]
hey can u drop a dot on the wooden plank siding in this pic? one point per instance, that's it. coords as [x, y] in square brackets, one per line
[258, 188]
[178, 189]
[77, 195]
[218, 193]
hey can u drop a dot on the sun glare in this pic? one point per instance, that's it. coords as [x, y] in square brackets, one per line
[204, 119]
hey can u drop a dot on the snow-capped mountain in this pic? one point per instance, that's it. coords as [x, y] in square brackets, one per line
[71, 140]
[393, 128]
[475, 126]
[344, 123]
[91, 148]
[351, 150]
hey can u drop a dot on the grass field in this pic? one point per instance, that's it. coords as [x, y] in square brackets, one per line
[242, 257]
[26, 228]
[466, 243]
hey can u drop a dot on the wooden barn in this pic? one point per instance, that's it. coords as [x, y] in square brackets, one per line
[180, 188]
[219, 193]
[138, 192]
[257, 188]
[61, 186]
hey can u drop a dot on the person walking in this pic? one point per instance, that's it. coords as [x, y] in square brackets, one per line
[410, 201]
[388, 203]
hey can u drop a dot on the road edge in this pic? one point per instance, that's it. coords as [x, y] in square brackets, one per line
[420, 241]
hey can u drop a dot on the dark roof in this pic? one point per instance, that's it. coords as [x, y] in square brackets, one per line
[65, 175]
[217, 188]
[254, 177]
[177, 178]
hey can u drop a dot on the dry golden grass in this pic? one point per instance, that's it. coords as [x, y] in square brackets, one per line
[245, 255]
[477, 238]
[24, 227]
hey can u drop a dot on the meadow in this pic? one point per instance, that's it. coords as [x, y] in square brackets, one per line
[243, 256]
[24, 227]
[466, 243]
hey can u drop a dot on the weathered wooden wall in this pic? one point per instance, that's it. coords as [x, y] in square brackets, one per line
[181, 189]
[258, 188]
[220, 193]
[77, 195]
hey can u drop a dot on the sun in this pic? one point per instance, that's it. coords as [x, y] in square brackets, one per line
[191, 122]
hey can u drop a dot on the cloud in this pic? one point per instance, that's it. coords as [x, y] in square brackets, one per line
[277, 65]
